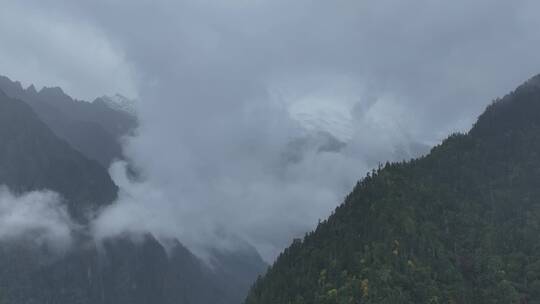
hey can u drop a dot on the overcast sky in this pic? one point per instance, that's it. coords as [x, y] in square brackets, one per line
[258, 116]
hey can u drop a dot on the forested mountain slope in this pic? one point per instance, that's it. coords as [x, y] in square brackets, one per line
[460, 225]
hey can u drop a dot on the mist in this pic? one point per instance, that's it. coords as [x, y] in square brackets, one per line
[258, 117]
[39, 216]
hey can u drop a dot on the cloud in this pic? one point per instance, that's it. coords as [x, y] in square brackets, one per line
[230, 90]
[38, 215]
[137, 210]
[49, 48]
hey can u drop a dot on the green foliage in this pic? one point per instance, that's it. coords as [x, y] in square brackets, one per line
[460, 225]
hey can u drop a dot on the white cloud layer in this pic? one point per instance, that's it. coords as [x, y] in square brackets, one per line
[39, 216]
[45, 47]
[236, 96]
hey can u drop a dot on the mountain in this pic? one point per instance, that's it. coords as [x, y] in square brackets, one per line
[120, 103]
[120, 270]
[459, 225]
[93, 128]
[32, 157]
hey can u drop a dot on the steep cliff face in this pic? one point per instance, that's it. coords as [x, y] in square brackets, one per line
[93, 128]
[32, 157]
[125, 269]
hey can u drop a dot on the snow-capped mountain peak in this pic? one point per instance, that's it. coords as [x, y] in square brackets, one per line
[120, 103]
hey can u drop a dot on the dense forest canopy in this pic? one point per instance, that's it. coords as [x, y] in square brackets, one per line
[459, 225]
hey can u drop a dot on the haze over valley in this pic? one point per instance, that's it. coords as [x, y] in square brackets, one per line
[205, 152]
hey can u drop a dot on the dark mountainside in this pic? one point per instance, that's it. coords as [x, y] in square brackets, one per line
[93, 128]
[33, 158]
[121, 270]
[124, 271]
[460, 225]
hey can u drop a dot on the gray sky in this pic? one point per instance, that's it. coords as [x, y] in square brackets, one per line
[238, 97]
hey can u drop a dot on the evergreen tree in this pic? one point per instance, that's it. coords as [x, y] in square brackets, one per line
[460, 225]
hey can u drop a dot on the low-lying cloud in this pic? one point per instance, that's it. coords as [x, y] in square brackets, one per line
[39, 216]
[257, 117]
[272, 185]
